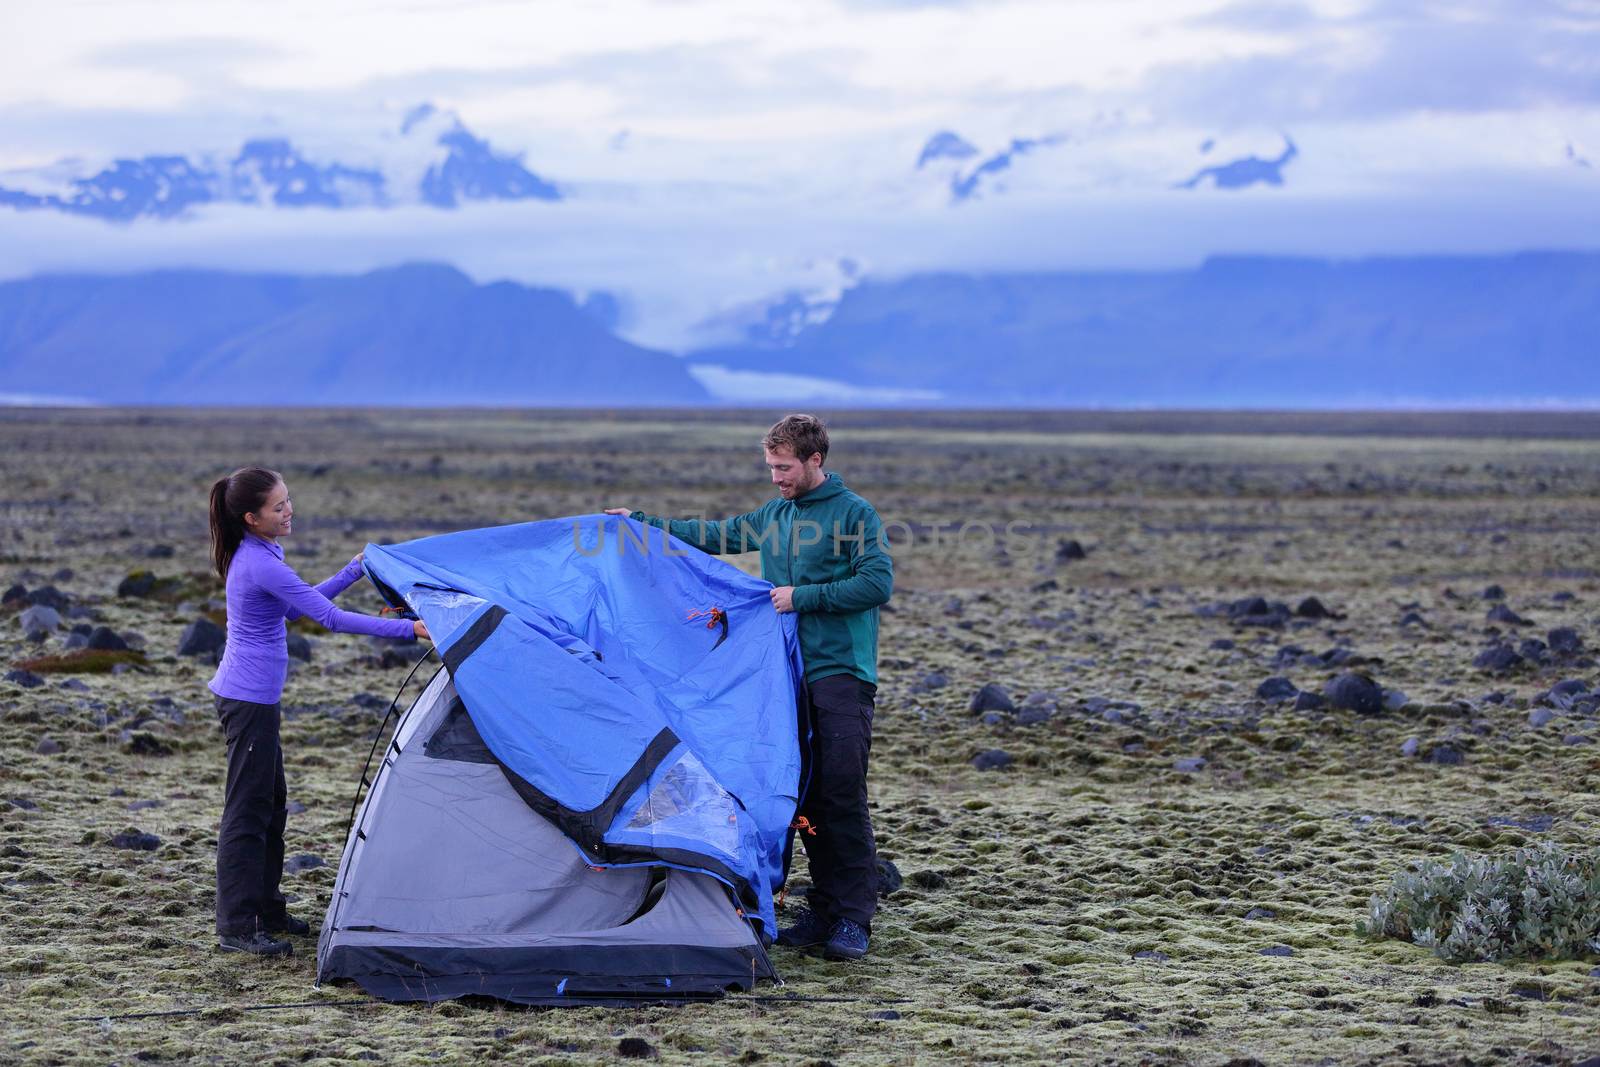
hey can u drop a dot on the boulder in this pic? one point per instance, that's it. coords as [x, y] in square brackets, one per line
[50, 597]
[201, 637]
[1189, 764]
[1499, 659]
[15, 592]
[992, 697]
[105, 639]
[1277, 688]
[1354, 692]
[993, 759]
[1564, 641]
[1312, 608]
[1068, 550]
[39, 621]
[300, 647]
[25, 678]
[1493, 592]
[889, 880]
[1503, 613]
[1310, 702]
[135, 841]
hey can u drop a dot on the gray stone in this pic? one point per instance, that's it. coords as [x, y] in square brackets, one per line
[1409, 748]
[25, 678]
[1493, 592]
[1446, 756]
[305, 861]
[1576, 739]
[50, 597]
[1255, 914]
[1312, 608]
[1278, 950]
[1151, 954]
[40, 620]
[1539, 717]
[299, 647]
[992, 697]
[1393, 700]
[1189, 764]
[48, 746]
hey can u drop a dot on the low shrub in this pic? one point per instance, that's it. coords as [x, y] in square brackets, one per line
[1541, 902]
[82, 661]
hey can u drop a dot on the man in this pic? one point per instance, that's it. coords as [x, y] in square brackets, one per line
[822, 549]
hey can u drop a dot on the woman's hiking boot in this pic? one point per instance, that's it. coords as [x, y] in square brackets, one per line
[807, 931]
[257, 944]
[846, 941]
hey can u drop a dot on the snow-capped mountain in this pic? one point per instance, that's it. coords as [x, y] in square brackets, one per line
[1107, 154]
[433, 159]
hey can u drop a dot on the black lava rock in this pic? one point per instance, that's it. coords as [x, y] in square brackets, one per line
[201, 637]
[1189, 764]
[993, 759]
[1310, 702]
[1446, 756]
[305, 861]
[1502, 613]
[1223, 644]
[137, 584]
[1278, 950]
[24, 678]
[635, 1048]
[1312, 608]
[928, 879]
[1498, 660]
[15, 592]
[160, 552]
[1493, 592]
[1277, 688]
[889, 880]
[1354, 692]
[105, 639]
[135, 841]
[48, 746]
[1564, 641]
[1069, 550]
[1034, 714]
[992, 697]
[1260, 913]
[300, 647]
[50, 597]
[1411, 618]
[933, 680]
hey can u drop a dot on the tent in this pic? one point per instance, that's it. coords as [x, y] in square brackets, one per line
[592, 798]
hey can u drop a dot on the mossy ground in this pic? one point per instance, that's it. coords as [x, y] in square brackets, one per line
[1032, 893]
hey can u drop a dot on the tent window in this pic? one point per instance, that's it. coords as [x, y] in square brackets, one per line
[688, 802]
[457, 738]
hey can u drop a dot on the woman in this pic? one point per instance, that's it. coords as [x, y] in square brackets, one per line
[250, 511]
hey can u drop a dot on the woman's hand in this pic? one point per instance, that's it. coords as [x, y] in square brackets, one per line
[419, 629]
[624, 512]
[358, 557]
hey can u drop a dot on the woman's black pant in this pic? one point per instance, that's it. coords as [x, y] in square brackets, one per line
[842, 854]
[250, 840]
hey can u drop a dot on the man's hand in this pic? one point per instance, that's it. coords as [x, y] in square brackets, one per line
[783, 598]
[624, 512]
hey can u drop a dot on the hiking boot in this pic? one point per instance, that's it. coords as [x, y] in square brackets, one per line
[257, 944]
[846, 941]
[808, 930]
[291, 925]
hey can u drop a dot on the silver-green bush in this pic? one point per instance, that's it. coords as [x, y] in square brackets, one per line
[1536, 903]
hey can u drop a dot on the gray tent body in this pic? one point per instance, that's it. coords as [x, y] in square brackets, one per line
[451, 885]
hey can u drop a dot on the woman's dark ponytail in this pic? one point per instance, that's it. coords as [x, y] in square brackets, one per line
[232, 498]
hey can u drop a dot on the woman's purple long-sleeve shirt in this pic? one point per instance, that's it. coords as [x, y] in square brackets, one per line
[263, 591]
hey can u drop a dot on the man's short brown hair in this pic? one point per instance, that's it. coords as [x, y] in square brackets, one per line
[804, 435]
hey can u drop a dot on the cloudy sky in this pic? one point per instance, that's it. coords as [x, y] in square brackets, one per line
[721, 150]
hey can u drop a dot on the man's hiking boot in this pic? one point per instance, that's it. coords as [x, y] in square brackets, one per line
[846, 941]
[291, 925]
[257, 944]
[807, 931]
